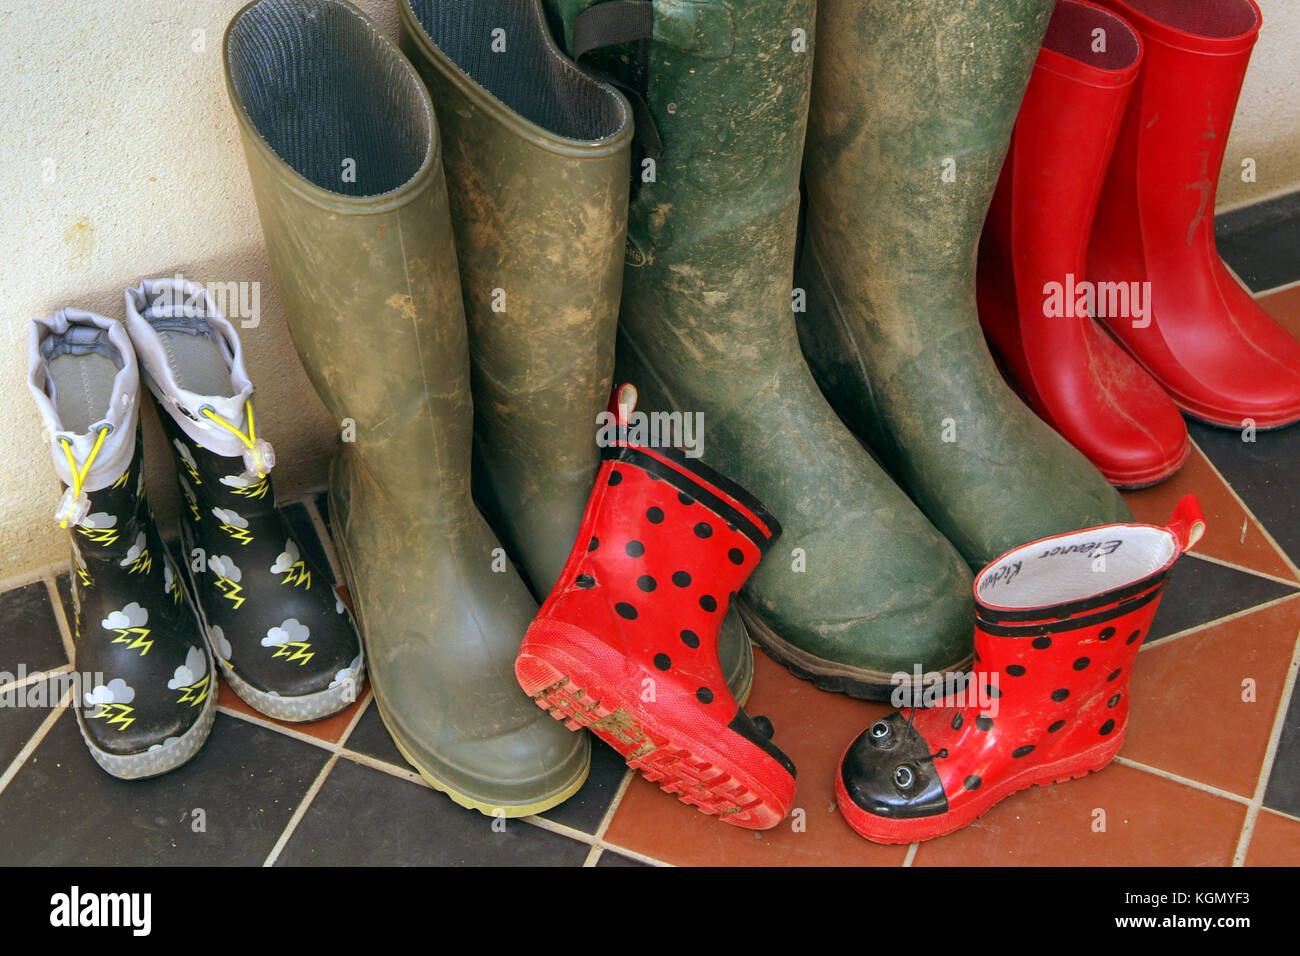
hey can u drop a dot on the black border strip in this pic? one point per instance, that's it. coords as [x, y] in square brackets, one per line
[696, 484]
[1073, 624]
[987, 612]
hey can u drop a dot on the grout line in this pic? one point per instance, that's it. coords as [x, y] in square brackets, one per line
[35, 739]
[1259, 526]
[35, 677]
[393, 770]
[1270, 756]
[323, 535]
[1226, 619]
[608, 817]
[1185, 781]
[61, 617]
[1208, 559]
[593, 855]
[561, 829]
[911, 854]
[633, 854]
[267, 724]
[1277, 288]
[24, 578]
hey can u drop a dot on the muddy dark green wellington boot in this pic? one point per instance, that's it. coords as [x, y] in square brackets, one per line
[344, 156]
[537, 158]
[862, 585]
[152, 696]
[913, 106]
[280, 634]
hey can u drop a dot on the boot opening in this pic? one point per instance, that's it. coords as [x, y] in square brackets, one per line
[1071, 34]
[1218, 19]
[530, 76]
[81, 367]
[329, 94]
[1070, 567]
[199, 356]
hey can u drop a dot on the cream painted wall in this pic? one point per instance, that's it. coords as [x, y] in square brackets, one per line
[149, 179]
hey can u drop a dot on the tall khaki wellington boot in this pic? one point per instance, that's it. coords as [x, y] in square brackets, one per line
[913, 106]
[344, 155]
[537, 158]
[861, 586]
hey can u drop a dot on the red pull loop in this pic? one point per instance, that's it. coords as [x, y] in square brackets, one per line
[1188, 523]
[622, 401]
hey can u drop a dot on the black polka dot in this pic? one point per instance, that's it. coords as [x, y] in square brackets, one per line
[1082, 663]
[690, 638]
[736, 556]
[654, 515]
[663, 662]
[625, 610]
[1115, 673]
[615, 476]
[1106, 728]
[942, 754]
[972, 782]
[1133, 637]
[1015, 670]
[684, 498]
[646, 583]
[704, 695]
[593, 544]
[1056, 726]
[708, 602]
[984, 722]
[992, 691]
[1113, 701]
[585, 581]
[681, 579]
[1106, 634]
[704, 530]
[634, 549]
[1024, 751]
[957, 721]
[1060, 694]
[1041, 643]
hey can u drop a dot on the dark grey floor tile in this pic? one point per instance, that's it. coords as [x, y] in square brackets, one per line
[61, 809]
[300, 520]
[370, 737]
[1200, 591]
[365, 817]
[610, 858]
[18, 723]
[1283, 791]
[1265, 473]
[31, 632]
[1262, 242]
[584, 810]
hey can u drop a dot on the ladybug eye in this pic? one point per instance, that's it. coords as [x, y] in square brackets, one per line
[879, 730]
[903, 777]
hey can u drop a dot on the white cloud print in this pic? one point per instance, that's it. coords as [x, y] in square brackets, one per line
[195, 666]
[246, 480]
[99, 521]
[224, 566]
[183, 450]
[287, 558]
[219, 642]
[116, 691]
[133, 615]
[288, 630]
[232, 518]
[133, 553]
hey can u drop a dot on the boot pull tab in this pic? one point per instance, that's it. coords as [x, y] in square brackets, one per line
[1188, 523]
[622, 402]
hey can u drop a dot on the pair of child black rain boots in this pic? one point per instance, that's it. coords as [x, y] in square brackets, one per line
[257, 606]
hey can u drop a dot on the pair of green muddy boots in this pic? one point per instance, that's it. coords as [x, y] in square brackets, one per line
[409, 289]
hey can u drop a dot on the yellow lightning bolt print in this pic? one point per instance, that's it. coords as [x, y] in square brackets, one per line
[196, 693]
[231, 590]
[142, 564]
[256, 490]
[139, 640]
[291, 651]
[117, 715]
[83, 575]
[104, 536]
[242, 535]
[298, 574]
[121, 482]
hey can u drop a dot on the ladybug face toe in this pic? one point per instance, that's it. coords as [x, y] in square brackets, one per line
[888, 772]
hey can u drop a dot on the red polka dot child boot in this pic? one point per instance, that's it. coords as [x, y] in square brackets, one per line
[626, 643]
[148, 699]
[1059, 622]
[283, 639]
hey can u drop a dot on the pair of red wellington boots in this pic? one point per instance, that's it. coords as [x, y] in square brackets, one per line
[1105, 208]
[1059, 623]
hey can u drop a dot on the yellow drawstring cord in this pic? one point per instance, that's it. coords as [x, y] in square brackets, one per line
[249, 440]
[79, 474]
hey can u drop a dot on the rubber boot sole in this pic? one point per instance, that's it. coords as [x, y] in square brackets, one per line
[885, 830]
[830, 676]
[698, 775]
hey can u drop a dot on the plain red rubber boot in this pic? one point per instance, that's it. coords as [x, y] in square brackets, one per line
[1034, 250]
[626, 643]
[1058, 624]
[1222, 359]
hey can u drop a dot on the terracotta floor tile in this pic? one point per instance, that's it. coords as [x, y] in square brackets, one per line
[1188, 714]
[330, 729]
[813, 728]
[1224, 517]
[1150, 821]
[1275, 841]
[1285, 307]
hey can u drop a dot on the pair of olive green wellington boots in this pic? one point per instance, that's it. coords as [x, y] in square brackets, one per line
[454, 269]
